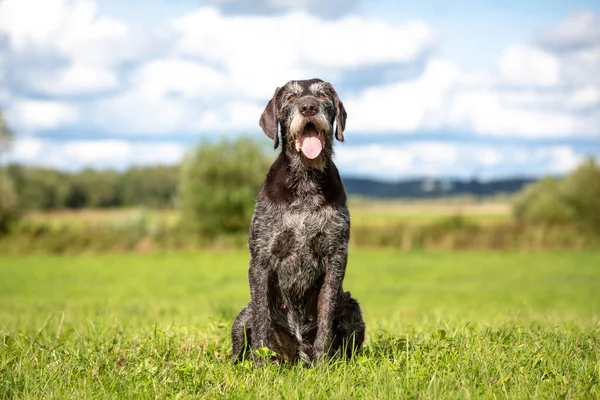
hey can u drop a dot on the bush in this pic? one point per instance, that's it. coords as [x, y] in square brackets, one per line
[582, 191]
[8, 203]
[543, 202]
[575, 198]
[218, 186]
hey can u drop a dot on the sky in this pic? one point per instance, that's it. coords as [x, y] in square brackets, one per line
[475, 89]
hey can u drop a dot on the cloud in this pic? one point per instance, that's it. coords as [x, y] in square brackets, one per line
[324, 8]
[32, 115]
[580, 29]
[259, 53]
[220, 74]
[212, 72]
[530, 92]
[431, 158]
[76, 79]
[405, 106]
[78, 154]
[390, 162]
[64, 47]
[576, 40]
[166, 95]
[494, 112]
[522, 65]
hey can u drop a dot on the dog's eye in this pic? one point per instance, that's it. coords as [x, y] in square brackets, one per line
[321, 96]
[292, 97]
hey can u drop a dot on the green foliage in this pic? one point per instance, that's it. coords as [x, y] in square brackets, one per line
[582, 191]
[219, 183]
[6, 133]
[48, 189]
[439, 325]
[8, 203]
[543, 201]
[575, 198]
[151, 186]
[37, 188]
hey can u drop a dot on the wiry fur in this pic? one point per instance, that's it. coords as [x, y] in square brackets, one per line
[299, 239]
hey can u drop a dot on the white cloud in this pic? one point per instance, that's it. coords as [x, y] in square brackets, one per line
[71, 28]
[78, 79]
[240, 116]
[31, 115]
[260, 53]
[76, 49]
[411, 159]
[405, 106]
[581, 67]
[26, 150]
[528, 66]
[528, 94]
[77, 154]
[585, 97]
[492, 112]
[382, 161]
[209, 72]
[561, 159]
[579, 29]
[164, 77]
[430, 158]
[332, 8]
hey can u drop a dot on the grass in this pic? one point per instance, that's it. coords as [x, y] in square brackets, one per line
[440, 325]
[364, 212]
[422, 212]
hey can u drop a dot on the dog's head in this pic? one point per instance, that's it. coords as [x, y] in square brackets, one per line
[306, 112]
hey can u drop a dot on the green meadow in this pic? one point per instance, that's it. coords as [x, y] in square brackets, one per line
[440, 325]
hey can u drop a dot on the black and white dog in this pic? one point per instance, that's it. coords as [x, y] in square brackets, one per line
[299, 236]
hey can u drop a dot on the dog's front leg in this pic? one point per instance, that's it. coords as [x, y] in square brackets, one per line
[335, 268]
[258, 275]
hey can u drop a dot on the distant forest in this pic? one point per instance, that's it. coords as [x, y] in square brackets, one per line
[157, 186]
[433, 188]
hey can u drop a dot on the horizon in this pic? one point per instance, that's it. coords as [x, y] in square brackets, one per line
[384, 180]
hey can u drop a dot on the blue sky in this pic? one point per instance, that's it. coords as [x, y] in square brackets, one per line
[479, 88]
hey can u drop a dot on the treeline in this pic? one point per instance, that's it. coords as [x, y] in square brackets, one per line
[427, 188]
[47, 189]
[157, 186]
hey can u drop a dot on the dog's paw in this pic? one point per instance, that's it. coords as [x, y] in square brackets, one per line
[318, 353]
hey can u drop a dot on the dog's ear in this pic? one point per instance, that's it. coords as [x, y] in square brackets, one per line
[340, 118]
[269, 120]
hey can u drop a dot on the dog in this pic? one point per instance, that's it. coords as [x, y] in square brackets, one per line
[299, 236]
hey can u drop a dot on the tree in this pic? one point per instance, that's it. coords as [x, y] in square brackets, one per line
[6, 134]
[574, 198]
[8, 199]
[543, 201]
[150, 186]
[581, 189]
[218, 185]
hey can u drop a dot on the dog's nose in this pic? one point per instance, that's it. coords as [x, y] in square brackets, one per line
[309, 108]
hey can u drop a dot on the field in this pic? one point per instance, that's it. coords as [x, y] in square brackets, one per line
[440, 325]
[364, 212]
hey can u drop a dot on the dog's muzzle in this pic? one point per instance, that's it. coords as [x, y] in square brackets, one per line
[310, 142]
[308, 129]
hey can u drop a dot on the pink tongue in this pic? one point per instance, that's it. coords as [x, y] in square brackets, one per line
[311, 146]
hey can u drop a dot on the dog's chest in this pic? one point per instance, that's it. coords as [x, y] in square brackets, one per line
[301, 240]
[312, 230]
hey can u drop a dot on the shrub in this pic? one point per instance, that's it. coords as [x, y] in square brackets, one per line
[575, 198]
[8, 203]
[218, 186]
[581, 188]
[543, 202]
